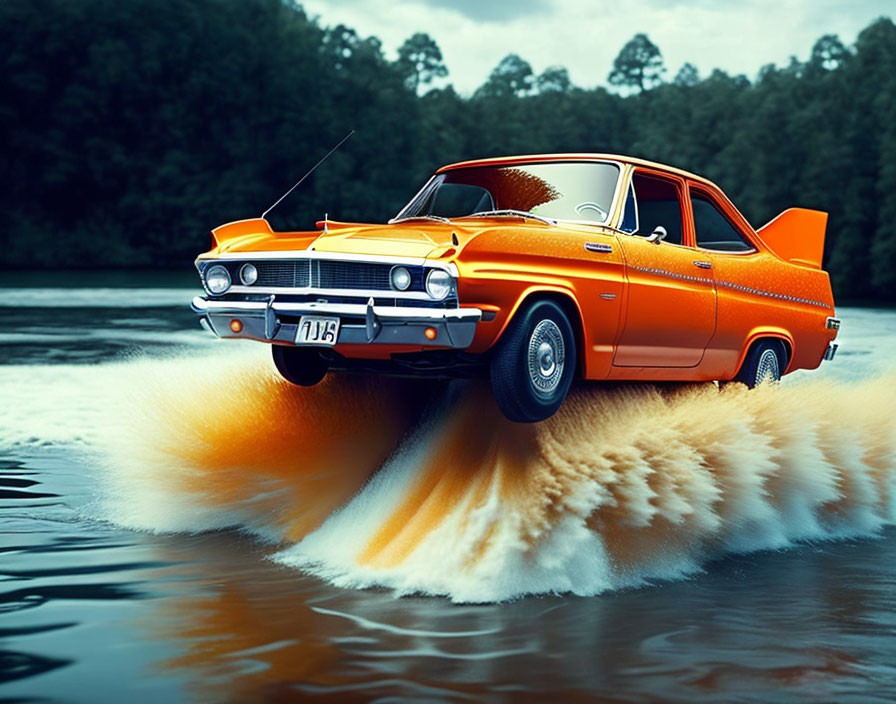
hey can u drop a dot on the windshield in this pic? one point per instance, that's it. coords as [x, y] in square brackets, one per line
[560, 190]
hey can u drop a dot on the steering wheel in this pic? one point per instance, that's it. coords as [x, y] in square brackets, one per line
[588, 205]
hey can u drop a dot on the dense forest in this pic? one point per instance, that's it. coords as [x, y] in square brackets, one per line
[129, 129]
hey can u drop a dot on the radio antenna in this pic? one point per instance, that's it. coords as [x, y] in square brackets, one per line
[296, 185]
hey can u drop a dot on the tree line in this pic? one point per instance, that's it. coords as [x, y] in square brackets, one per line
[129, 129]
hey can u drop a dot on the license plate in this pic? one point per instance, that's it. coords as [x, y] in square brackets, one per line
[317, 330]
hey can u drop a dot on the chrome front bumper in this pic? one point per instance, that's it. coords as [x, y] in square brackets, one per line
[360, 324]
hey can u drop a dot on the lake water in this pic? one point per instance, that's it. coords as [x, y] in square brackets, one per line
[176, 524]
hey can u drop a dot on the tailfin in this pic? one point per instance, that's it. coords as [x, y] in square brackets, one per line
[797, 235]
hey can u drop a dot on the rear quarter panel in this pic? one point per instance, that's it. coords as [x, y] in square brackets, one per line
[760, 295]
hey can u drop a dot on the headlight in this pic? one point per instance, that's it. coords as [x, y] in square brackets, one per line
[400, 278]
[217, 279]
[438, 284]
[248, 274]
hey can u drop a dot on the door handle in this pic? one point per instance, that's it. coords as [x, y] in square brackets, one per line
[598, 247]
[703, 264]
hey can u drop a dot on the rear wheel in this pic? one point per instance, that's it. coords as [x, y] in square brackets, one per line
[302, 366]
[534, 363]
[765, 362]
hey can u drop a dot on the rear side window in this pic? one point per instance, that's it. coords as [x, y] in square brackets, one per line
[714, 230]
[659, 205]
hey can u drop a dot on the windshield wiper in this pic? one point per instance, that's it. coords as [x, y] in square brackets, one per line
[437, 218]
[511, 211]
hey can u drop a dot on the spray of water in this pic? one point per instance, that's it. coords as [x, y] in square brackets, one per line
[426, 489]
[200, 446]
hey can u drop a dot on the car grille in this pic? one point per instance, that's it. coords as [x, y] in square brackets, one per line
[328, 274]
[282, 274]
[352, 275]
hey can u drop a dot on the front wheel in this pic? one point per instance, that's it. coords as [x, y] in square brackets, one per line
[765, 362]
[534, 363]
[302, 366]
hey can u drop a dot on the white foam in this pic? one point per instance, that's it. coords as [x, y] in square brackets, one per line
[622, 487]
[762, 490]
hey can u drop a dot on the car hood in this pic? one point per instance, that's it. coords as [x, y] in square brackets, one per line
[415, 239]
[397, 240]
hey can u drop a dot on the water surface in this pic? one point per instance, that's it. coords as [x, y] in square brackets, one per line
[162, 549]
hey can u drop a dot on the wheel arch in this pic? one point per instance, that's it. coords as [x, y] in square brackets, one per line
[567, 301]
[775, 334]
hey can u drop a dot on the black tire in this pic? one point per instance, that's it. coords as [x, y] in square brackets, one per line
[302, 366]
[524, 395]
[765, 361]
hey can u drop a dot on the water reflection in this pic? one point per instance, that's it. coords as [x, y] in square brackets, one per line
[817, 622]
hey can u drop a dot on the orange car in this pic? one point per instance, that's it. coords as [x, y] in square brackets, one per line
[534, 270]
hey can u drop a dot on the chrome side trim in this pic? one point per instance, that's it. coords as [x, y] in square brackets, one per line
[729, 284]
[716, 252]
[772, 294]
[672, 274]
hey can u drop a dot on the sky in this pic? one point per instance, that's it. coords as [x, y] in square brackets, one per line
[474, 35]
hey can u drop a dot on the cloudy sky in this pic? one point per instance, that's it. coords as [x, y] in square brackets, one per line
[585, 37]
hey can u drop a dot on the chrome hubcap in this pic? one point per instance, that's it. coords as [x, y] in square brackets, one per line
[767, 369]
[546, 357]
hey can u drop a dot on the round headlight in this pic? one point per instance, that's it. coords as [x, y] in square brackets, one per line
[217, 279]
[400, 278]
[438, 283]
[248, 274]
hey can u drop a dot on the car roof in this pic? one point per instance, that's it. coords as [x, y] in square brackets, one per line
[582, 156]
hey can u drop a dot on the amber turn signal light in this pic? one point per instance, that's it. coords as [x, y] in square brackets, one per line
[236, 325]
[430, 333]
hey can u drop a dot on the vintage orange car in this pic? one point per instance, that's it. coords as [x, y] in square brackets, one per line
[534, 270]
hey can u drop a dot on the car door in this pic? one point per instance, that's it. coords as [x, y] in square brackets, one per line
[670, 309]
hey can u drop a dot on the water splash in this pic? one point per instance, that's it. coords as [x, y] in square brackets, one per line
[201, 446]
[368, 481]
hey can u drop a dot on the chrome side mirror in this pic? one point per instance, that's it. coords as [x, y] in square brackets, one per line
[658, 235]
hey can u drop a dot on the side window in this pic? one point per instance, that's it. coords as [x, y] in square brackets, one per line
[659, 205]
[630, 216]
[714, 230]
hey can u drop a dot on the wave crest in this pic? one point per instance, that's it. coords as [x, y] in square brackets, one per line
[426, 488]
